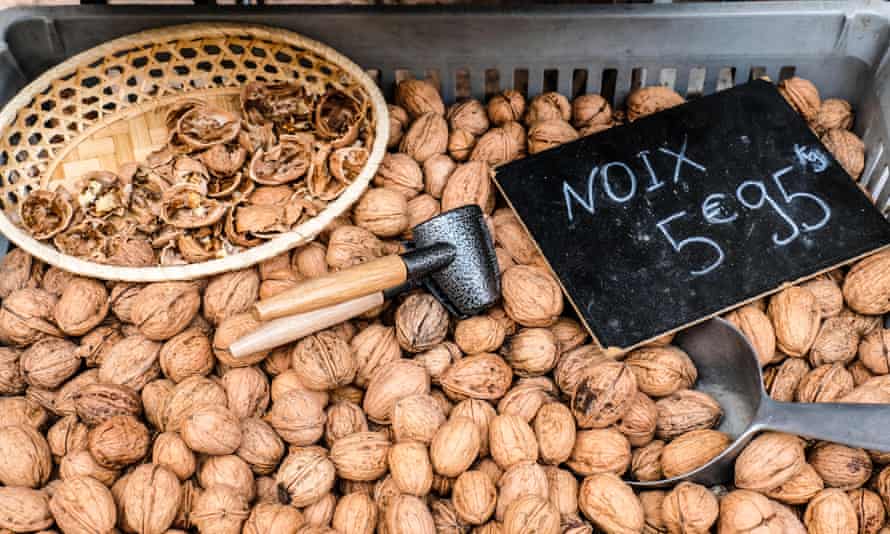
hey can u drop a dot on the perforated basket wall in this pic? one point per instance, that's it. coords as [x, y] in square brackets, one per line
[106, 106]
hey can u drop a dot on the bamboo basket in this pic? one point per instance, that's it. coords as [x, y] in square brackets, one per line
[105, 107]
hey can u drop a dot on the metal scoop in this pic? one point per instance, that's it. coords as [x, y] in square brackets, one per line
[729, 371]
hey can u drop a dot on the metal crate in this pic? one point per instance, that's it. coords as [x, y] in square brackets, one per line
[695, 48]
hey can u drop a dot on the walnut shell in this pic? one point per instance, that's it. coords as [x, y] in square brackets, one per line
[22, 411]
[163, 309]
[247, 390]
[421, 322]
[361, 456]
[524, 400]
[26, 459]
[601, 450]
[411, 468]
[382, 211]
[211, 429]
[229, 330]
[344, 418]
[82, 306]
[661, 370]
[273, 518]
[436, 171]
[323, 361]
[421, 209]
[261, 446]
[18, 270]
[689, 508]
[547, 134]
[418, 97]
[869, 510]
[848, 149]
[230, 293]
[219, 510]
[171, 451]
[186, 354]
[523, 478]
[123, 295]
[67, 435]
[132, 362]
[758, 329]
[744, 511]
[692, 450]
[297, 417]
[800, 488]
[548, 106]
[398, 120]
[787, 379]
[604, 395]
[639, 422]
[840, 466]
[572, 365]
[97, 343]
[82, 505]
[874, 351]
[833, 113]
[468, 115]
[416, 418]
[836, 342]
[610, 504]
[830, 511]
[392, 382]
[44, 214]
[828, 295]
[407, 514]
[802, 95]
[648, 100]
[455, 446]
[505, 107]
[191, 393]
[479, 334]
[827, 383]
[427, 136]
[401, 173]
[49, 362]
[531, 514]
[119, 441]
[532, 297]
[26, 315]
[684, 411]
[483, 376]
[645, 464]
[867, 285]
[496, 147]
[305, 476]
[24, 510]
[97, 402]
[355, 512]
[470, 183]
[531, 351]
[151, 499]
[591, 112]
[769, 461]
[554, 428]
[460, 144]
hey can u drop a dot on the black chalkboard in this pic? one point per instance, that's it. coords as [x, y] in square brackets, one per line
[684, 214]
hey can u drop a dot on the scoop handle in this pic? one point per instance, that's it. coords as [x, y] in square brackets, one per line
[855, 425]
[292, 327]
[316, 293]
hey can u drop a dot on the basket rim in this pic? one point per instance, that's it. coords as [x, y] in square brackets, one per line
[299, 235]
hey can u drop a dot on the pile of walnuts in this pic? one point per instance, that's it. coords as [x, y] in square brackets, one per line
[123, 410]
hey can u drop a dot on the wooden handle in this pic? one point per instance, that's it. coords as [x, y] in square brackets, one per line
[293, 327]
[371, 277]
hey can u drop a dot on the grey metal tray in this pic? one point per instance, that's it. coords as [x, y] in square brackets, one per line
[695, 48]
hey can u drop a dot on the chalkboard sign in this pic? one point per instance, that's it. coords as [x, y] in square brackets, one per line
[684, 214]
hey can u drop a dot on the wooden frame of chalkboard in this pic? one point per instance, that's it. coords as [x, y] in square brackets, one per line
[680, 216]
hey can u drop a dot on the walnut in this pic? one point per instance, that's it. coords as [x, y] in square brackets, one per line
[289, 381]
[96, 403]
[639, 422]
[401, 173]
[321, 513]
[26, 459]
[651, 501]
[436, 171]
[170, 450]
[186, 354]
[787, 378]
[163, 309]
[505, 107]
[460, 144]
[355, 512]
[351, 245]
[692, 450]
[836, 341]
[297, 417]
[418, 97]
[834, 113]
[382, 211]
[398, 120]
[684, 411]
[468, 115]
[306, 475]
[273, 518]
[67, 435]
[474, 496]
[548, 106]
[531, 513]
[24, 510]
[361, 456]
[219, 509]
[427, 136]
[55, 280]
[323, 361]
[661, 371]
[390, 383]
[869, 510]
[769, 461]
[795, 316]
[532, 297]
[22, 411]
[744, 512]
[800, 488]
[247, 390]
[191, 393]
[407, 514]
[230, 293]
[411, 468]
[517, 132]
[610, 504]
[123, 295]
[497, 146]
[62, 400]
[26, 315]
[261, 447]
[547, 134]
[645, 464]
[19, 270]
[416, 418]
[601, 450]
[344, 418]
[828, 295]
[132, 362]
[230, 329]
[523, 400]
[523, 478]
[827, 383]
[840, 466]
[802, 95]
[151, 499]
[554, 428]
[483, 376]
[572, 365]
[455, 446]
[874, 351]
[591, 112]
[648, 100]
[479, 334]
[830, 511]
[421, 322]
[518, 243]
[49, 362]
[97, 343]
[758, 329]
[867, 285]
[604, 395]
[82, 505]
[211, 429]
[848, 149]
[119, 441]
[689, 508]
[470, 183]
[421, 209]
[531, 351]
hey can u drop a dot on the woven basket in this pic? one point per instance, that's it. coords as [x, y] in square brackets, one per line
[105, 107]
